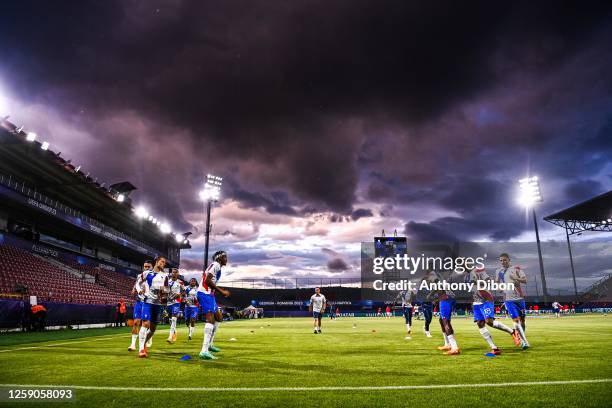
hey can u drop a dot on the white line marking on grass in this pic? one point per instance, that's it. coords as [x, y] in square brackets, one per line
[331, 388]
[97, 338]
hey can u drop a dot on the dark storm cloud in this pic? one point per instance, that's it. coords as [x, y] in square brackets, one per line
[361, 213]
[294, 99]
[581, 190]
[337, 265]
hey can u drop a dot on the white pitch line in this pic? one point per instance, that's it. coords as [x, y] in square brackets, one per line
[331, 388]
[98, 338]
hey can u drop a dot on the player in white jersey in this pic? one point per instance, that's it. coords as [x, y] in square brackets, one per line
[176, 290]
[514, 299]
[139, 291]
[484, 309]
[446, 304]
[556, 308]
[191, 305]
[156, 292]
[206, 298]
[317, 307]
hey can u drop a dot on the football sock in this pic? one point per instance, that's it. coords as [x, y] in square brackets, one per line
[142, 338]
[172, 327]
[446, 343]
[500, 326]
[134, 337]
[190, 331]
[208, 331]
[519, 328]
[452, 341]
[407, 327]
[215, 328]
[487, 336]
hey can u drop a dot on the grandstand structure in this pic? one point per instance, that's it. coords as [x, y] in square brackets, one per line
[64, 236]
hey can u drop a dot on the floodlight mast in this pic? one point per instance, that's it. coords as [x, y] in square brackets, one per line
[529, 196]
[210, 193]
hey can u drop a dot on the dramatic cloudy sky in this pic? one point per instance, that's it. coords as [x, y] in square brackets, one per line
[329, 120]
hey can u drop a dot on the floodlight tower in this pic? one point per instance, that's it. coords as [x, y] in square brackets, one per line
[210, 193]
[529, 196]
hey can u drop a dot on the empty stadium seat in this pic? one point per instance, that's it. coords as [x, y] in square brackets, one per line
[47, 281]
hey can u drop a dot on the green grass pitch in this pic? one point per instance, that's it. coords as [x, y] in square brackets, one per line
[285, 353]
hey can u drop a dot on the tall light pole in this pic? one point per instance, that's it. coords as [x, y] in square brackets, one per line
[569, 248]
[210, 193]
[530, 196]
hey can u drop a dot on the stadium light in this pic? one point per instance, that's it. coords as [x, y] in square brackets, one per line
[529, 192]
[179, 238]
[31, 136]
[165, 228]
[44, 146]
[529, 196]
[142, 212]
[120, 198]
[210, 193]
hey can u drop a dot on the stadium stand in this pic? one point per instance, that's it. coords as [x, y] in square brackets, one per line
[48, 282]
[600, 291]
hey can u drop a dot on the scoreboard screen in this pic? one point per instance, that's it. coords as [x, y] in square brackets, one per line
[388, 247]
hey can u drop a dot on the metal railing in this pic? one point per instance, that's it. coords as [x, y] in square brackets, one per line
[291, 283]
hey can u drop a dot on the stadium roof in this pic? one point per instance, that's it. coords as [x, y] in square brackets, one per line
[60, 179]
[594, 214]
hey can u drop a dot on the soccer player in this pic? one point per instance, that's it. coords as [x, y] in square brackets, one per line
[156, 290]
[176, 290]
[447, 305]
[388, 311]
[317, 306]
[206, 298]
[426, 298]
[407, 299]
[191, 305]
[482, 306]
[556, 306]
[139, 291]
[514, 299]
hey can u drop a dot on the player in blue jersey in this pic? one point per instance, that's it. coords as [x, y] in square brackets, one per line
[191, 305]
[156, 292]
[407, 298]
[206, 298]
[484, 310]
[175, 290]
[425, 297]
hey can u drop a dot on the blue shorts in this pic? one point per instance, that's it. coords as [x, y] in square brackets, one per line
[191, 312]
[208, 303]
[317, 315]
[173, 309]
[137, 315]
[556, 310]
[407, 311]
[446, 308]
[151, 312]
[483, 311]
[515, 308]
